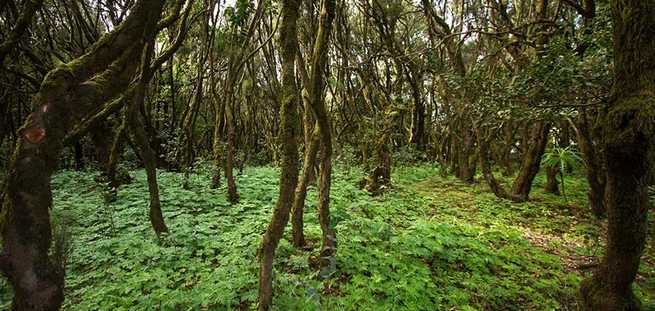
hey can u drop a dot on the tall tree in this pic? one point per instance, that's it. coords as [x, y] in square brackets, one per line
[628, 129]
[288, 136]
[66, 95]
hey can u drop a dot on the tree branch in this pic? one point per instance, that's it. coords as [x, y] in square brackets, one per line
[31, 6]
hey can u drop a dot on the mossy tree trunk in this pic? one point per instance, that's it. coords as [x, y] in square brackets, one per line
[67, 94]
[324, 126]
[116, 149]
[289, 133]
[628, 129]
[297, 221]
[312, 144]
[232, 193]
[594, 167]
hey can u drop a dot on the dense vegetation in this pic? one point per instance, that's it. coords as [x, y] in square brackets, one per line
[464, 248]
[327, 154]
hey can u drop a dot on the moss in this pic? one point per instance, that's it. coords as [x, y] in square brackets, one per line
[629, 118]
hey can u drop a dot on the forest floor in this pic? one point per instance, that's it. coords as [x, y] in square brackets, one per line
[432, 243]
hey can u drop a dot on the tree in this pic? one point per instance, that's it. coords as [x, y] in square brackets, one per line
[289, 133]
[66, 94]
[628, 129]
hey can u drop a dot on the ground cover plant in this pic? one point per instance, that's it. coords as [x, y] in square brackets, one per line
[432, 244]
[327, 154]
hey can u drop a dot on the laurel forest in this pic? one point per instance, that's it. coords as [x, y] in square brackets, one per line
[327, 155]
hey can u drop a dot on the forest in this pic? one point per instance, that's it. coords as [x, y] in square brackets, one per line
[327, 155]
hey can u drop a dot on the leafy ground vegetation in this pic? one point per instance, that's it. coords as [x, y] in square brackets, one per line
[433, 243]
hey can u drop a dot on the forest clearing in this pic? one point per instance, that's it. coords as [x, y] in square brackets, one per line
[327, 155]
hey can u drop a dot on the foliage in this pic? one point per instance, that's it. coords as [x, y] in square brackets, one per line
[434, 243]
[562, 159]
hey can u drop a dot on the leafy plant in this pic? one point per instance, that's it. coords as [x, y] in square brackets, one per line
[562, 159]
[432, 244]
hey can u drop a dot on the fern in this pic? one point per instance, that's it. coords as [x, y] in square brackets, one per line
[562, 159]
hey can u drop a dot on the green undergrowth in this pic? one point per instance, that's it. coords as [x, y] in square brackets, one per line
[430, 244]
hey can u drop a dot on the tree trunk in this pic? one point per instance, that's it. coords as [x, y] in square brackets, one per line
[595, 170]
[102, 142]
[67, 94]
[114, 156]
[466, 169]
[627, 139]
[297, 222]
[552, 185]
[485, 166]
[232, 194]
[79, 156]
[141, 139]
[216, 146]
[531, 161]
[319, 66]
[289, 132]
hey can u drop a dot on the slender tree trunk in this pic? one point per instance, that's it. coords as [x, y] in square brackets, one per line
[141, 139]
[114, 155]
[531, 161]
[627, 139]
[319, 65]
[289, 133]
[232, 194]
[101, 142]
[297, 222]
[79, 156]
[216, 146]
[595, 170]
[485, 166]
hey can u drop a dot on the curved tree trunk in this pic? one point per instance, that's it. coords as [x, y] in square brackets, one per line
[627, 140]
[485, 166]
[531, 161]
[114, 157]
[592, 159]
[297, 221]
[319, 65]
[141, 138]
[289, 133]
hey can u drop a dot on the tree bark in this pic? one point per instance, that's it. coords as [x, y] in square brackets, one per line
[552, 185]
[592, 158]
[298, 209]
[141, 139]
[485, 166]
[66, 95]
[232, 194]
[289, 133]
[628, 131]
[324, 127]
[531, 161]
